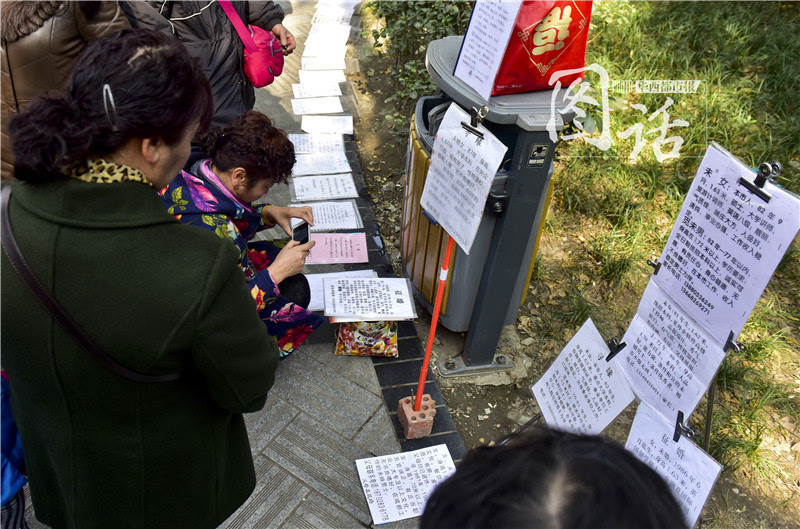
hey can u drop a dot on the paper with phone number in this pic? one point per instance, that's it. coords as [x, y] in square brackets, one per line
[334, 215]
[316, 143]
[322, 187]
[320, 163]
[316, 284]
[380, 299]
[397, 486]
[331, 248]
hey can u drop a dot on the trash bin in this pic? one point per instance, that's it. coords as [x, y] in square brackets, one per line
[484, 289]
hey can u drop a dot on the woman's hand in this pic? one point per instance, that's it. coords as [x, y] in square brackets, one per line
[290, 260]
[283, 216]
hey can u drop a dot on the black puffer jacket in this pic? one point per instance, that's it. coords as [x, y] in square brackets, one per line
[209, 36]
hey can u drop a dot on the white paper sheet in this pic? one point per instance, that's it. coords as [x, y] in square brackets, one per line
[581, 392]
[725, 245]
[333, 216]
[689, 472]
[316, 90]
[320, 163]
[485, 43]
[323, 63]
[364, 299]
[656, 374]
[327, 124]
[321, 76]
[317, 105]
[397, 486]
[332, 15]
[315, 282]
[460, 176]
[317, 143]
[323, 187]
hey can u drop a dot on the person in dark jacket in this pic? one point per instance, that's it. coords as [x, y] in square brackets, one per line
[41, 41]
[210, 37]
[159, 297]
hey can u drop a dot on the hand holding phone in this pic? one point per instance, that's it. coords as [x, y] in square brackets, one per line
[300, 232]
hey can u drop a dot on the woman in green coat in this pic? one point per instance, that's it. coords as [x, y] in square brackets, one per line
[159, 297]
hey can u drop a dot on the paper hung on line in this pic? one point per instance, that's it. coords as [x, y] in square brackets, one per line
[364, 299]
[460, 175]
[302, 91]
[316, 143]
[485, 42]
[688, 470]
[327, 124]
[320, 163]
[332, 248]
[317, 105]
[397, 486]
[333, 216]
[726, 244]
[581, 392]
[323, 187]
[669, 359]
[315, 283]
[323, 63]
[321, 76]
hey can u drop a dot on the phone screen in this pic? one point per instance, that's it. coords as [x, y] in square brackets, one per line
[300, 233]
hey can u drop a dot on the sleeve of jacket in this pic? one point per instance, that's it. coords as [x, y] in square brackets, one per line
[264, 14]
[108, 19]
[232, 349]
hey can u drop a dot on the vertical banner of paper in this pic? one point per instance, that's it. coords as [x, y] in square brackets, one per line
[689, 472]
[581, 392]
[460, 176]
[484, 45]
[726, 244]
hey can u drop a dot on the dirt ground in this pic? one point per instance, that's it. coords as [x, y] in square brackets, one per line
[489, 407]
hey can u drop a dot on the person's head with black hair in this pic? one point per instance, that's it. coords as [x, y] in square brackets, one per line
[129, 92]
[552, 480]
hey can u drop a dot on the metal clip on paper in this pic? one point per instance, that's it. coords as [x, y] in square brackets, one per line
[733, 345]
[476, 118]
[683, 429]
[655, 265]
[614, 347]
[766, 172]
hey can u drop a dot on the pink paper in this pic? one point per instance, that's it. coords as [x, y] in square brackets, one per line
[338, 248]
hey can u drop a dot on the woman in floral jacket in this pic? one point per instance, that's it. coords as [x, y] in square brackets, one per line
[246, 158]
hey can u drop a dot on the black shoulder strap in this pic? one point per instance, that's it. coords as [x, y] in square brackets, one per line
[25, 272]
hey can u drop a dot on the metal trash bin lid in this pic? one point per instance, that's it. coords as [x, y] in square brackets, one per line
[530, 111]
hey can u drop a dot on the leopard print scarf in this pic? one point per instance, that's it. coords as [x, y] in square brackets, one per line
[105, 172]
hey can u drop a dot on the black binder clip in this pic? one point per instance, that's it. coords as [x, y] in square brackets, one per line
[655, 265]
[614, 347]
[766, 172]
[476, 118]
[733, 345]
[683, 429]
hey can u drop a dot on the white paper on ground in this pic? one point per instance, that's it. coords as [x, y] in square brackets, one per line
[317, 143]
[460, 175]
[323, 187]
[333, 216]
[320, 163]
[315, 282]
[689, 472]
[327, 124]
[321, 76]
[316, 90]
[581, 392]
[365, 299]
[323, 63]
[317, 105]
[397, 486]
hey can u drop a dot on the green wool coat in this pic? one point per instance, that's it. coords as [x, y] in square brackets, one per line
[159, 296]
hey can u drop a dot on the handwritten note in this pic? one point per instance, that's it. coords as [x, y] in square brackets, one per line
[397, 486]
[316, 283]
[689, 472]
[323, 187]
[327, 124]
[338, 248]
[334, 215]
[485, 43]
[460, 176]
[725, 245]
[321, 76]
[316, 143]
[323, 63]
[320, 163]
[581, 392]
[364, 299]
[317, 105]
[316, 90]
